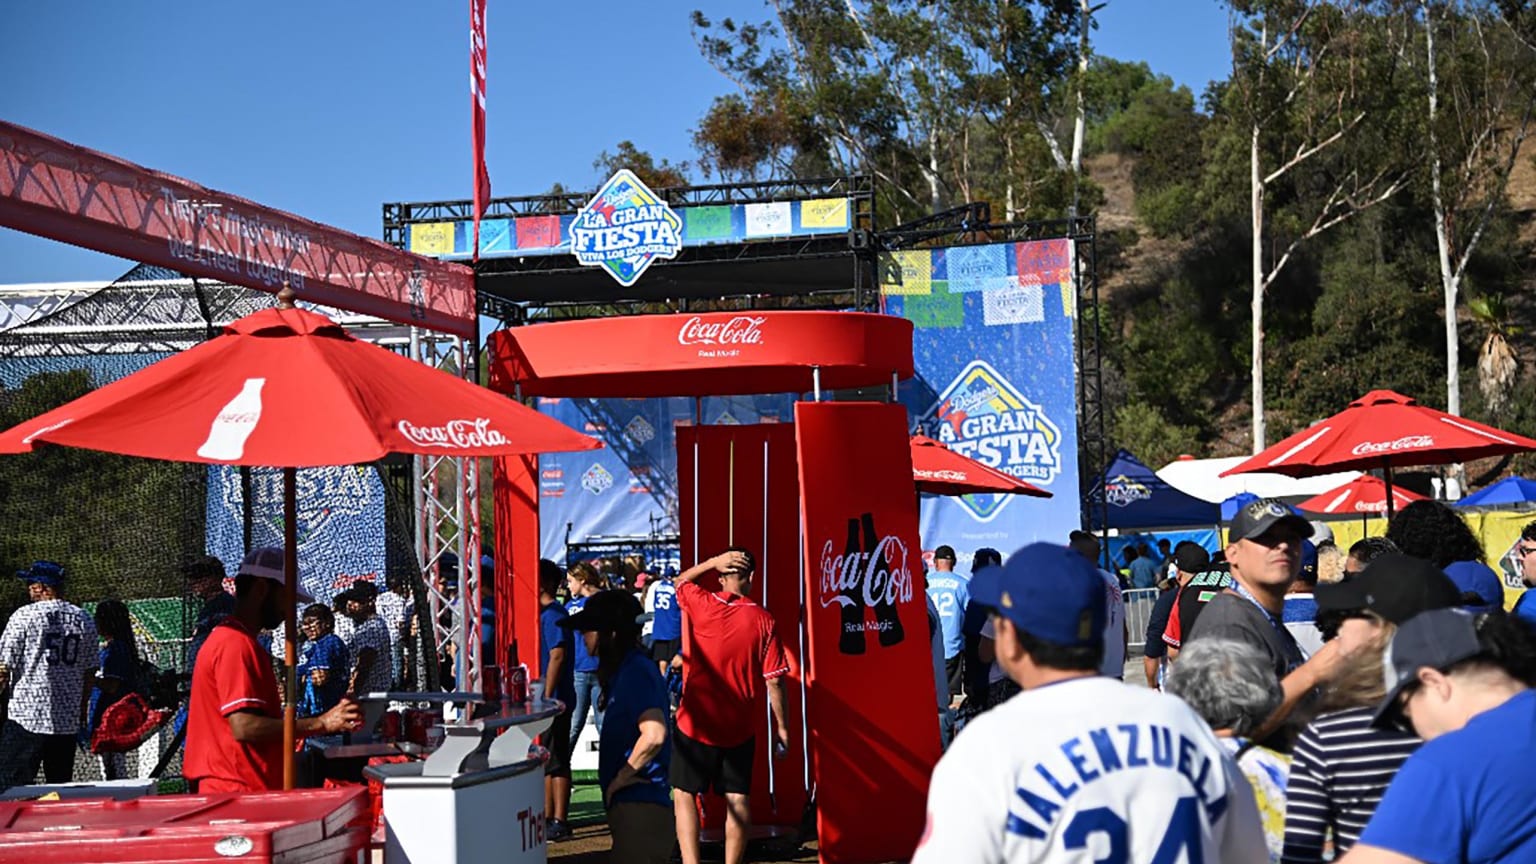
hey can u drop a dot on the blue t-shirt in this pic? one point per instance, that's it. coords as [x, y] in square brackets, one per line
[1466, 796]
[550, 635]
[115, 661]
[636, 688]
[1144, 573]
[668, 620]
[328, 653]
[950, 593]
[584, 662]
[1525, 607]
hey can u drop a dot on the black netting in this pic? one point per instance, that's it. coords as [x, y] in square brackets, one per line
[122, 527]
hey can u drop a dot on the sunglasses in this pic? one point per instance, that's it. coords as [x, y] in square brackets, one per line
[1523, 550]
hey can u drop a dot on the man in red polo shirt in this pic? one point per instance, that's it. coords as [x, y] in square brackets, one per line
[235, 717]
[730, 649]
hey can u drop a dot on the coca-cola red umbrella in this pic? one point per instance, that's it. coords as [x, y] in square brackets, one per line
[288, 388]
[1364, 494]
[939, 470]
[1386, 430]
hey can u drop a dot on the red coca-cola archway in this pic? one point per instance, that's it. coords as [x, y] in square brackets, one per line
[842, 466]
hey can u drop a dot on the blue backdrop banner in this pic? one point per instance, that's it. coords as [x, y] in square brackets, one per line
[340, 530]
[995, 350]
[628, 488]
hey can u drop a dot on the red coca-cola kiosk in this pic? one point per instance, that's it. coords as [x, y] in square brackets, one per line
[826, 502]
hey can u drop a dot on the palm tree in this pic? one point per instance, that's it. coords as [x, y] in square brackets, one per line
[1497, 364]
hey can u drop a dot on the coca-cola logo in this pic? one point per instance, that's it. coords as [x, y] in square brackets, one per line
[941, 474]
[1407, 442]
[455, 434]
[878, 577]
[740, 330]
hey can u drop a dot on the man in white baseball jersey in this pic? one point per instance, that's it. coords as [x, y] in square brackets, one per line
[1079, 768]
[48, 658]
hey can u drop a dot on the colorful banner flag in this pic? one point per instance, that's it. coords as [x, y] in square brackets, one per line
[477, 109]
[872, 698]
[996, 380]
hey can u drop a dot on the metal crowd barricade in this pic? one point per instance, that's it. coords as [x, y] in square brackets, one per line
[1138, 609]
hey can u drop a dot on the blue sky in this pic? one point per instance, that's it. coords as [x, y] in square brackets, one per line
[328, 109]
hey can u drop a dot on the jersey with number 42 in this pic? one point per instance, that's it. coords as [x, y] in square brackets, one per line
[49, 647]
[1090, 770]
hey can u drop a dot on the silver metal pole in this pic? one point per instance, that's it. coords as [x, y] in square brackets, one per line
[816, 383]
[695, 499]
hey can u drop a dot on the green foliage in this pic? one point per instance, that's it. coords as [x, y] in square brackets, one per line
[1142, 429]
[657, 175]
[121, 526]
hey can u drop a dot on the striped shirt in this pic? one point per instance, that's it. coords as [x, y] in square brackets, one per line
[1340, 768]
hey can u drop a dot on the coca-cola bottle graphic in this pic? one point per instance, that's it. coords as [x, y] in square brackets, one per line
[874, 579]
[851, 639]
[234, 424]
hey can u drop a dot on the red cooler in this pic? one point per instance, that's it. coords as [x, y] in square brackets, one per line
[301, 827]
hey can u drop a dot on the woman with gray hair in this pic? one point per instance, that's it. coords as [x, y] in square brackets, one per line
[1232, 686]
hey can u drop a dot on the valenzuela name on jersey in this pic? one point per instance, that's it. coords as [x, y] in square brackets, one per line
[1051, 782]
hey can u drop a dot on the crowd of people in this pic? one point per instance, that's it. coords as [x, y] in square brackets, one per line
[1301, 702]
[1373, 705]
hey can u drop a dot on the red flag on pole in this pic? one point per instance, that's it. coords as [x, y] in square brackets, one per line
[477, 107]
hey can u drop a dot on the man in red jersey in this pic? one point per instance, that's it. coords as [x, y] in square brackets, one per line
[235, 717]
[731, 648]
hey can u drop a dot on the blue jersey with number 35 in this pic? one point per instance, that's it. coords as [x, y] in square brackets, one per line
[668, 623]
[1090, 771]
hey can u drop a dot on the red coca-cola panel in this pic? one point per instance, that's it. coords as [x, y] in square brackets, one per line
[872, 706]
[59, 190]
[516, 503]
[737, 486]
[715, 353]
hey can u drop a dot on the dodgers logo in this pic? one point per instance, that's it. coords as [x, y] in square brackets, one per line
[597, 479]
[983, 416]
[624, 228]
[1122, 491]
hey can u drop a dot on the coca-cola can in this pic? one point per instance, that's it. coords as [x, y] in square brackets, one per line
[490, 684]
[417, 722]
[517, 687]
[392, 727]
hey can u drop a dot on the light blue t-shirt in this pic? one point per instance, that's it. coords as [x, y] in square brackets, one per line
[950, 593]
[1144, 573]
[1466, 796]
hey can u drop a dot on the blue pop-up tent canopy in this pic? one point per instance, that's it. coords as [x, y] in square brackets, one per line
[1138, 498]
[1509, 491]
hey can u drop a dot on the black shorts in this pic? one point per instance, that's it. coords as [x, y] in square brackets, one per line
[954, 671]
[699, 768]
[663, 650]
[557, 740]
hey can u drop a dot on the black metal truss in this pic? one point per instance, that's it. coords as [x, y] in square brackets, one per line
[957, 224]
[858, 188]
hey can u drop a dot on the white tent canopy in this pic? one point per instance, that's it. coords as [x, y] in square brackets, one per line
[1201, 478]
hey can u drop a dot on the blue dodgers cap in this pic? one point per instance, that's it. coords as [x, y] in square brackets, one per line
[1049, 592]
[44, 572]
[1475, 577]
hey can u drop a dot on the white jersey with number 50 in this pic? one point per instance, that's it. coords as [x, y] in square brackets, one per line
[49, 647]
[1090, 771]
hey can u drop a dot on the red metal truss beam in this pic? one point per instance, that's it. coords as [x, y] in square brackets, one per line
[69, 193]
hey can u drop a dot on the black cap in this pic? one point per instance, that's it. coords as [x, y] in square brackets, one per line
[986, 556]
[1191, 557]
[944, 553]
[361, 591]
[1394, 586]
[606, 610]
[1259, 516]
[1439, 639]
